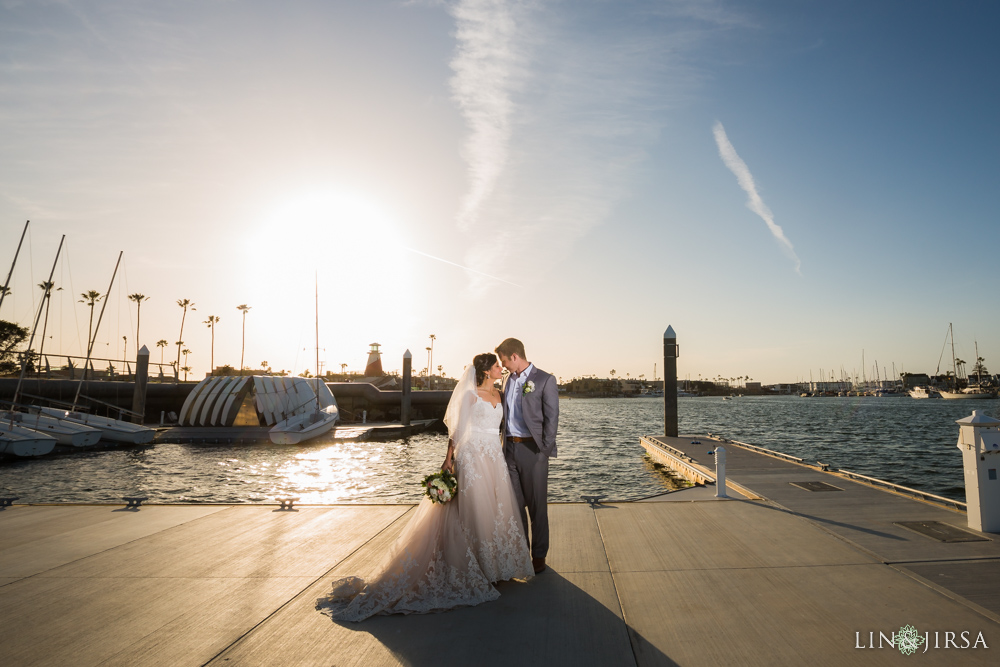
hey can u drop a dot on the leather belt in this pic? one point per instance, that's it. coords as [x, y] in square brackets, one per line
[514, 438]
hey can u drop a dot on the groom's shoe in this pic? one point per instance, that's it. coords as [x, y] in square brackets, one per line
[538, 564]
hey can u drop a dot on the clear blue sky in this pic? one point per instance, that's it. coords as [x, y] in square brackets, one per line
[576, 174]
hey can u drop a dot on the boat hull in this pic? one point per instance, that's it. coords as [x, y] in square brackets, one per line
[953, 395]
[114, 430]
[19, 441]
[301, 428]
[65, 433]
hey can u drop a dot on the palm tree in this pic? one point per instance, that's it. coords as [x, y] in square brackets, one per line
[244, 308]
[90, 298]
[959, 369]
[47, 289]
[185, 367]
[138, 299]
[211, 322]
[185, 304]
[162, 343]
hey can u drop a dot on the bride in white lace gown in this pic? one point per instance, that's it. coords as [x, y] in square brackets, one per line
[449, 555]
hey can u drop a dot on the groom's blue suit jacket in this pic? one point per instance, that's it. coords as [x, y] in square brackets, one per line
[540, 409]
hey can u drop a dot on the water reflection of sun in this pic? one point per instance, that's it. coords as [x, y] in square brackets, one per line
[338, 473]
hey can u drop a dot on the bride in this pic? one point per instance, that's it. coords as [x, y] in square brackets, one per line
[450, 555]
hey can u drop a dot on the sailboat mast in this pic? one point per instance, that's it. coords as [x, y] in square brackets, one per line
[954, 362]
[317, 324]
[864, 380]
[41, 305]
[10, 273]
[90, 343]
[977, 367]
[317, 343]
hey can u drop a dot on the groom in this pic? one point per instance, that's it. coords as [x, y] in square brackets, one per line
[530, 419]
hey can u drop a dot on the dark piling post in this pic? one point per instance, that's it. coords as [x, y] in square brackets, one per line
[670, 353]
[141, 376]
[404, 407]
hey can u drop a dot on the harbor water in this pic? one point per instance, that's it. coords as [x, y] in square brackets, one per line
[898, 439]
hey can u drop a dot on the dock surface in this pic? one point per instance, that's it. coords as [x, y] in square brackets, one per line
[784, 576]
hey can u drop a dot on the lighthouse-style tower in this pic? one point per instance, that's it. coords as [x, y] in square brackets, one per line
[374, 366]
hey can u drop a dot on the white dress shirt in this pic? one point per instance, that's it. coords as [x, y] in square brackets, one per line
[515, 392]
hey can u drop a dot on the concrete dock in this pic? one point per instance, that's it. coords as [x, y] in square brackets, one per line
[780, 575]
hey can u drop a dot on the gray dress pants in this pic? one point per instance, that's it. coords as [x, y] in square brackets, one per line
[529, 475]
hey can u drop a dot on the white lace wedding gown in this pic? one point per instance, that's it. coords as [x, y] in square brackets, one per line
[448, 555]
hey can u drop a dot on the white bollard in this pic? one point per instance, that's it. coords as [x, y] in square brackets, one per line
[979, 440]
[720, 472]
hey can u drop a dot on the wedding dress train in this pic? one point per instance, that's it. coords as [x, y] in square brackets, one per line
[449, 555]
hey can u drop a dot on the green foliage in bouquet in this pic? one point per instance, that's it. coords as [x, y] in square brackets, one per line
[440, 487]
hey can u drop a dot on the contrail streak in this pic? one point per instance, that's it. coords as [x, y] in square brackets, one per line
[485, 65]
[465, 268]
[754, 202]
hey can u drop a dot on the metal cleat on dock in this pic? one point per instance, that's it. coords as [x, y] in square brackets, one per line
[825, 467]
[594, 501]
[287, 504]
[134, 502]
[7, 502]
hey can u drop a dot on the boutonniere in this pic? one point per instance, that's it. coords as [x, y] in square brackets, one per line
[529, 387]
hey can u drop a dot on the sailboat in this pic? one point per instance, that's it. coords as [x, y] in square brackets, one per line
[116, 430]
[19, 441]
[15, 438]
[976, 392]
[298, 428]
[65, 432]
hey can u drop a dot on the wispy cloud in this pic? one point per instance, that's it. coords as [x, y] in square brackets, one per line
[460, 266]
[486, 66]
[754, 201]
[561, 101]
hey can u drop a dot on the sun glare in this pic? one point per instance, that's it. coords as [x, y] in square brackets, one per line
[353, 248]
[333, 226]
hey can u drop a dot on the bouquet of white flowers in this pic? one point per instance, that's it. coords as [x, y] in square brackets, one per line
[441, 486]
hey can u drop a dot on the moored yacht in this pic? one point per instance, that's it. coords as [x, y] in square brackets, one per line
[969, 393]
[924, 392]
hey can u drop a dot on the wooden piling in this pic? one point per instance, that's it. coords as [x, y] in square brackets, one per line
[404, 407]
[139, 392]
[670, 354]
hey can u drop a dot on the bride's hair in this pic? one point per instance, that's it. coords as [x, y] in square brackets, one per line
[483, 363]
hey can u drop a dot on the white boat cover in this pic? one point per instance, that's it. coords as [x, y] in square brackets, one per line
[216, 400]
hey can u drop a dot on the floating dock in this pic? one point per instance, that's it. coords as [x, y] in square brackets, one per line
[239, 435]
[786, 574]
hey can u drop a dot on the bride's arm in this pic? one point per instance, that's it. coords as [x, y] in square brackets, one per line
[449, 459]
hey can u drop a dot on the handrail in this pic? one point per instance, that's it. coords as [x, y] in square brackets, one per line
[764, 450]
[874, 481]
[899, 487]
